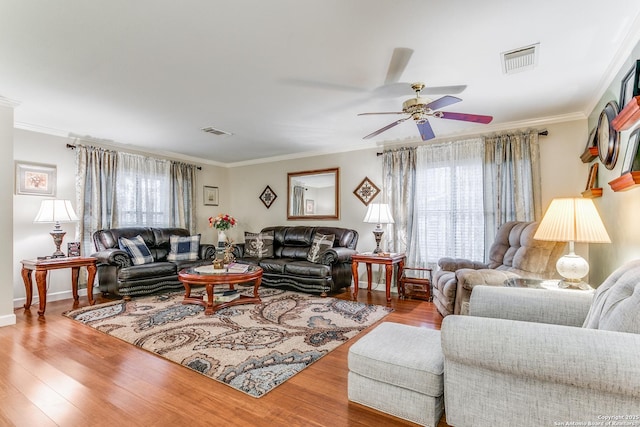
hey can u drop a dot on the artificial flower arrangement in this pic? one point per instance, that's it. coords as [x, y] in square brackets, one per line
[222, 222]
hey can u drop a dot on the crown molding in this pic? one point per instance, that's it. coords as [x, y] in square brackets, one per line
[6, 102]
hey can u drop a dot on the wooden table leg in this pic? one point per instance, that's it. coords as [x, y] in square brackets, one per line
[75, 272]
[369, 276]
[256, 285]
[389, 274]
[28, 286]
[41, 281]
[91, 269]
[399, 285]
[209, 308]
[354, 273]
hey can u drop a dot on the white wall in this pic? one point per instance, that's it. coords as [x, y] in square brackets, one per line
[7, 316]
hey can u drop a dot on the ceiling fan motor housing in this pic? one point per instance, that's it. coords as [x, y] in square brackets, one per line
[417, 108]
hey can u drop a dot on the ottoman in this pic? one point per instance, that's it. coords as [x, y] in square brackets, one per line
[398, 369]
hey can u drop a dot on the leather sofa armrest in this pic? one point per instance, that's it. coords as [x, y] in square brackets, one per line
[453, 264]
[337, 255]
[207, 251]
[238, 250]
[563, 307]
[115, 257]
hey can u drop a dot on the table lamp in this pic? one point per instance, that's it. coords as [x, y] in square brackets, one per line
[572, 220]
[56, 211]
[378, 213]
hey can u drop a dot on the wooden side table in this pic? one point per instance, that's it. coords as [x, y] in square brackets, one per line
[386, 259]
[415, 282]
[42, 266]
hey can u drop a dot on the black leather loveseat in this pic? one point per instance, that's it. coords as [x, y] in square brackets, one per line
[288, 266]
[117, 274]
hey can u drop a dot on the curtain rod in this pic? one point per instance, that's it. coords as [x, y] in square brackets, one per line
[73, 147]
[541, 133]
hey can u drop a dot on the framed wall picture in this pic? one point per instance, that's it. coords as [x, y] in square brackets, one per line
[268, 196]
[35, 179]
[366, 191]
[592, 179]
[629, 87]
[211, 196]
[631, 160]
[309, 206]
[73, 249]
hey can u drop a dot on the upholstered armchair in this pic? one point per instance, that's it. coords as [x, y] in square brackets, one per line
[514, 253]
[536, 357]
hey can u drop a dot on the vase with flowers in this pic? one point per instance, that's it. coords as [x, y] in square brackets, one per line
[221, 223]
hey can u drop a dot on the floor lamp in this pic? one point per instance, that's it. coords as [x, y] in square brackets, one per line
[378, 213]
[572, 220]
[56, 211]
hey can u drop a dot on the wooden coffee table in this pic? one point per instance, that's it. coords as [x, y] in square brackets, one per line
[200, 276]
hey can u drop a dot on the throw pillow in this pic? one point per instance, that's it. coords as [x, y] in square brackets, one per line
[184, 248]
[258, 245]
[320, 244]
[137, 249]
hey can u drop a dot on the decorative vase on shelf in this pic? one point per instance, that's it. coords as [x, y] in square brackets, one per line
[222, 238]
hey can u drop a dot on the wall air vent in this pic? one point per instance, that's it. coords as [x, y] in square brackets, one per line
[521, 59]
[215, 131]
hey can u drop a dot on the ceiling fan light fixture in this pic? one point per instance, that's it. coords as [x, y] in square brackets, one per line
[521, 59]
[215, 131]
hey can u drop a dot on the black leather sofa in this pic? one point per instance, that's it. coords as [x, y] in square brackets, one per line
[116, 273]
[289, 268]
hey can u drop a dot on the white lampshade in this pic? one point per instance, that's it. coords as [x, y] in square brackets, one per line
[378, 213]
[53, 211]
[572, 220]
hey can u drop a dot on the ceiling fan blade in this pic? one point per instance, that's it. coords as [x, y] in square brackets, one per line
[426, 132]
[321, 85]
[443, 102]
[476, 118]
[387, 127]
[390, 112]
[399, 61]
[392, 90]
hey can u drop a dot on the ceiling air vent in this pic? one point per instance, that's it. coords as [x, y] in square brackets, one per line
[524, 58]
[215, 131]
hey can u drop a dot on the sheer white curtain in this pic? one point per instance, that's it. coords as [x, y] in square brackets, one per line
[143, 191]
[448, 211]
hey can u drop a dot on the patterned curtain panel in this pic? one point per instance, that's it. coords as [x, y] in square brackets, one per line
[95, 188]
[398, 190]
[512, 188]
[183, 187]
[298, 201]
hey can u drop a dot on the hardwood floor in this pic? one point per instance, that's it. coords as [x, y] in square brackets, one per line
[54, 371]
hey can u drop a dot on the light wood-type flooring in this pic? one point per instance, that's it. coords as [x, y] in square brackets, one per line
[54, 371]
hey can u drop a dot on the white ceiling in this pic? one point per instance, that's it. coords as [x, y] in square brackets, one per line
[288, 77]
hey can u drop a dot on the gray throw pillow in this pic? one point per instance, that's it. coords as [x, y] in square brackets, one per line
[258, 245]
[137, 250]
[615, 304]
[320, 244]
[184, 248]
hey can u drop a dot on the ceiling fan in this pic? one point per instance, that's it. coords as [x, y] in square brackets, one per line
[420, 109]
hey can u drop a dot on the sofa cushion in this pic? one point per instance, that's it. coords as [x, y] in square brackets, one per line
[615, 304]
[319, 245]
[258, 245]
[137, 249]
[273, 265]
[146, 271]
[184, 248]
[307, 269]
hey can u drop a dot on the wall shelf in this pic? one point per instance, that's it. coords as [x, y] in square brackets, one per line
[626, 181]
[592, 193]
[629, 115]
[589, 154]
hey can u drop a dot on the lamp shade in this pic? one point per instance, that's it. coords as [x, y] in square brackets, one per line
[572, 220]
[53, 211]
[378, 213]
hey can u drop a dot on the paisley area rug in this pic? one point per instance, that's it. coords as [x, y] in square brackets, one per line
[252, 348]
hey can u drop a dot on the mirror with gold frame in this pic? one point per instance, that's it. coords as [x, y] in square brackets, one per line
[313, 194]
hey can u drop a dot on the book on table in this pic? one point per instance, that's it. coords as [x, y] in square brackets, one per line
[225, 295]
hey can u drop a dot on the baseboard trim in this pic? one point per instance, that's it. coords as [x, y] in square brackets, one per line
[57, 296]
[8, 320]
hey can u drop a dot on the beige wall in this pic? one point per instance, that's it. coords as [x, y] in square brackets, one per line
[619, 210]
